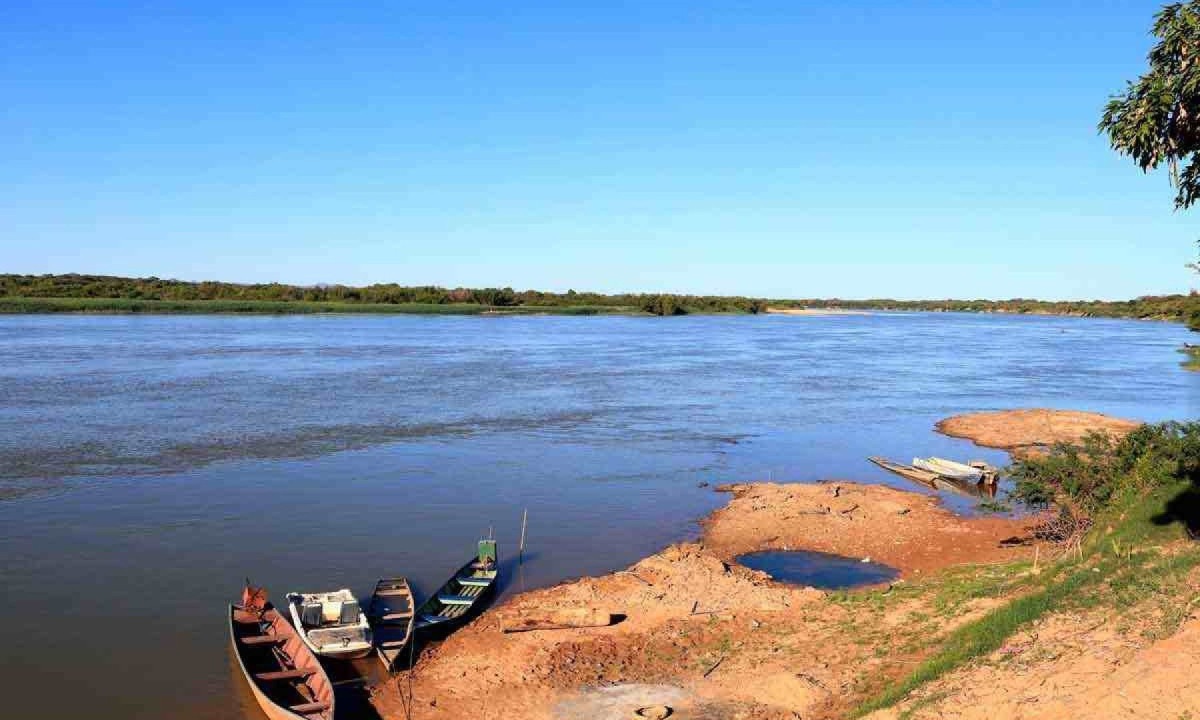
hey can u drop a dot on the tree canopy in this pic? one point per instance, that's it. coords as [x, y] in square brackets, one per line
[1156, 120]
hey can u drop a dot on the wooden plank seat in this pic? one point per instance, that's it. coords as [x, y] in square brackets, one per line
[393, 644]
[262, 639]
[392, 617]
[285, 674]
[312, 707]
[474, 582]
[456, 599]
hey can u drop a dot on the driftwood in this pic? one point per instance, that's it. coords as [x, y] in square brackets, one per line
[559, 619]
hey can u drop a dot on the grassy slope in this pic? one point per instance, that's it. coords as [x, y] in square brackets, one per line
[1121, 564]
[120, 305]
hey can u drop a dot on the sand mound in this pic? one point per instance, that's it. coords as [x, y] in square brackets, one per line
[1032, 430]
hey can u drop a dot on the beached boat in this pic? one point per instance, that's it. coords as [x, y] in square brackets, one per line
[925, 477]
[331, 623]
[463, 593]
[286, 678]
[390, 613]
[949, 468]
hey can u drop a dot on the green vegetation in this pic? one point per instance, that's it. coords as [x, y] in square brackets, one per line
[127, 305]
[89, 293]
[1155, 121]
[1138, 496]
[28, 293]
[1177, 308]
[1105, 472]
[1193, 357]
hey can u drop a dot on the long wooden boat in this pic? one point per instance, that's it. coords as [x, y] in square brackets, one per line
[924, 477]
[286, 678]
[937, 481]
[949, 468]
[391, 614]
[463, 593]
[331, 623]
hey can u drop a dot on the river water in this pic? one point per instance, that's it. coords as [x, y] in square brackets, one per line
[149, 464]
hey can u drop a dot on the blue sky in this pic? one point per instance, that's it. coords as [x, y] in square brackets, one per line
[923, 149]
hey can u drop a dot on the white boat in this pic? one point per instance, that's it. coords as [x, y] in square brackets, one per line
[331, 623]
[949, 468]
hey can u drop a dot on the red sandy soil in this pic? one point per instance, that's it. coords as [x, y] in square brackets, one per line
[1034, 430]
[716, 641]
[769, 649]
[910, 532]
[1095, 664]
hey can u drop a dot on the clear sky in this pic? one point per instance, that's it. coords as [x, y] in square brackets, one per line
[790, 149]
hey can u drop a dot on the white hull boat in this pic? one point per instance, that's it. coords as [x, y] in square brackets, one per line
[331, 624]
[949, 468]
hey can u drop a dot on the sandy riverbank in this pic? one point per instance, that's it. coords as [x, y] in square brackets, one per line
[716, 640]
[768, 649]
[1032, 430]
[815, 311]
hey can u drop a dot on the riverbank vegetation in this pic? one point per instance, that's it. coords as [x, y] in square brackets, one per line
[1127, 551]
[101, 293]
[86, 293]
[1177, 308]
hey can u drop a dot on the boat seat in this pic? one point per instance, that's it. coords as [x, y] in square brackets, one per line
[475, 582]
[262, 639]
[311, 707]
[285, 674]
[456, 599]
[394, 616]
[393, 644]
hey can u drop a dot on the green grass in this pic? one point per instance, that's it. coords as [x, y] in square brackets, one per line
[1121, 567]
[1193, 357]
[267, 307]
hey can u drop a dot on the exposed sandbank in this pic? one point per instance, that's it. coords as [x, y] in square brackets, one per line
[815, 311]
[1032, 430]
[718, 640]
[690, 606]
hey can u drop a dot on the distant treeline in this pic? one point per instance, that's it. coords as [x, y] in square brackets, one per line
[1179, 308]
[149, 294]
[177, 291]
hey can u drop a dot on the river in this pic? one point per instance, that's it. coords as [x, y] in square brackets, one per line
[150, 463]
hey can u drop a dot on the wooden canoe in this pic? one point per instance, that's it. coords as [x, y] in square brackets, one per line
[949, 469]
[555, 619]
[924, 477]
[286, 678]
[391, 613]
[463, 593]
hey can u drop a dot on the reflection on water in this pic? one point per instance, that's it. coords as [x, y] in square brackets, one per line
[819, 570]
[152, 463]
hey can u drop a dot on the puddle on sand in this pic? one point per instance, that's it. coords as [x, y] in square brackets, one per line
[819, 570]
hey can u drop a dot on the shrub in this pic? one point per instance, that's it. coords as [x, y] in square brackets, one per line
[1092, 475]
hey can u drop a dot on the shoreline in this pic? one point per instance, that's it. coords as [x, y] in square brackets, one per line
[710, 637]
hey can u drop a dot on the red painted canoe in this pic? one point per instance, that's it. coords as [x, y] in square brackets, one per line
[287, 680]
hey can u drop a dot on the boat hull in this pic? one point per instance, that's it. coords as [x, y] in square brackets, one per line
[391, 613]
[462, 596]
[318, 682]
[946, 469]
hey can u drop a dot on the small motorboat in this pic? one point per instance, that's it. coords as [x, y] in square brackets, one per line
[286, 678]
[949, 469]
[390, 613]
[463, 593]
[331, 623]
